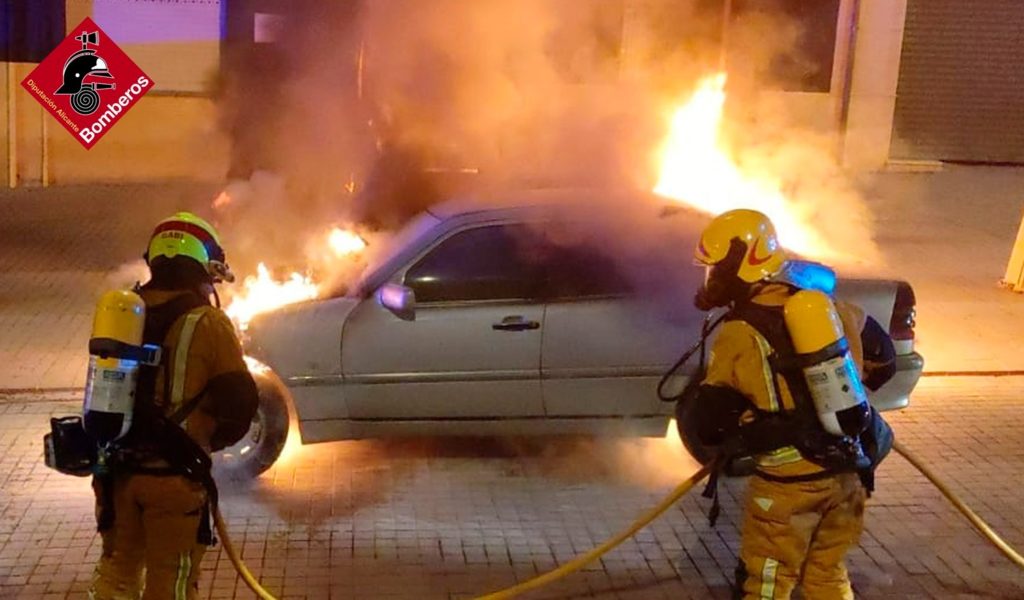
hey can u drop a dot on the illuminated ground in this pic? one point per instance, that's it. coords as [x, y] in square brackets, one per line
[442, 519]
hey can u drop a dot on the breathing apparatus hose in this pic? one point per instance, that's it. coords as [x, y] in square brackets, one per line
[584, 559]
[979, 524]
[240, 567]
[710, 324]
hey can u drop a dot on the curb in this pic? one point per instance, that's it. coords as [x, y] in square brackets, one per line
[26, 395]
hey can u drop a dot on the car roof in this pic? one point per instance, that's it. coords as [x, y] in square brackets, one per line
[564, 199]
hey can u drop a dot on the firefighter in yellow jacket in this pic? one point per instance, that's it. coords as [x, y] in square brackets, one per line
[154, 521]
[805, 504]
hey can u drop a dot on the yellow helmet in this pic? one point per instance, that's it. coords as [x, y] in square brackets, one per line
[762, 256]
[185, 234]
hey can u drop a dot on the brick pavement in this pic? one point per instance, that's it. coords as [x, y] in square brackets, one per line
[447, 519]
[60, 248]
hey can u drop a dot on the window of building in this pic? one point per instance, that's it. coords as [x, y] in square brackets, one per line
[806, 67]
[29, 31]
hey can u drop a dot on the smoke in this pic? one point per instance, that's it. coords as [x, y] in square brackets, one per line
[365, 93]
[364, 113]
[789, 141]
[379, 109]
[127, 275]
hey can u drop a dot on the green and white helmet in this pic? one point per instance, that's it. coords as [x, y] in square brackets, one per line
[185, 234]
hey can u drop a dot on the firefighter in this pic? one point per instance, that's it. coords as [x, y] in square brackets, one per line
[805, 503]
[152, 504]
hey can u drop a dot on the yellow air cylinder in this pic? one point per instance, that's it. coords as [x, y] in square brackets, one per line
[820, 343]
[120, 316]
[117, 329]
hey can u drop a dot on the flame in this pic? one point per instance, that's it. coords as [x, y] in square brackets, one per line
[263, 293]
[293, 448]
[672, 439]
[696, 169]
[344, 242]
[255, 366]
[222, 200]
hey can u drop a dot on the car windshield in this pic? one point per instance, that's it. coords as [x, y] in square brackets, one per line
[385, 253]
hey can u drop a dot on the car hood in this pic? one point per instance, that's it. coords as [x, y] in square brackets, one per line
[301, 340]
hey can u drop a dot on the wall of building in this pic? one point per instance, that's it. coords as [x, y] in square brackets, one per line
[872, 99]
[170, 134]
[858, 111]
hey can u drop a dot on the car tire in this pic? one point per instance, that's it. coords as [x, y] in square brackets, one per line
[688, 434]
[262, 444]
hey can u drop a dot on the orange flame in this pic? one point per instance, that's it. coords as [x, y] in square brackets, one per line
[263, 293]
[345, 243]
[293, 441]
[697, 170]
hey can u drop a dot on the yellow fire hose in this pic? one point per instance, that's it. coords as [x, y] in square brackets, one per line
[243, 571]
[582, 560]
[681, 490]
[979, 524]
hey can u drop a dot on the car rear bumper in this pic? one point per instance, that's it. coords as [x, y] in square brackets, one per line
[895, 394]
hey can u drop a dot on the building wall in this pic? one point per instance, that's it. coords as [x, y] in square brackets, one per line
[859, 110]
[170, 134]
[872, 99]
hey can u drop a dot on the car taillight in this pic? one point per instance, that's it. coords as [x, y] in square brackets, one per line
[901, 326]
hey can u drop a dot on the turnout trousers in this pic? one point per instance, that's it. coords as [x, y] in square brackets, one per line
[151, 552]
[798, 533]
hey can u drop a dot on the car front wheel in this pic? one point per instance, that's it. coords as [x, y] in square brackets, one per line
[262, 444]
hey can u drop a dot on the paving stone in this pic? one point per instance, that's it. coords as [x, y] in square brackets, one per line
[428, 527]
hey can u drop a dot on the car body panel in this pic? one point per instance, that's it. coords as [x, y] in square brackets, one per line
[591, 365]
[447, 362]
[604, 357]
[302, 344]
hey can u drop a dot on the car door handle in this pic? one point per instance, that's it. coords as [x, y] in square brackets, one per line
[515, 323]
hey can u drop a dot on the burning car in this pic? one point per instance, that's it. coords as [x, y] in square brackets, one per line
[522, 317]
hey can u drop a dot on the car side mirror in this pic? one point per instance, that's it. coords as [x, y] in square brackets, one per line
[399, 299]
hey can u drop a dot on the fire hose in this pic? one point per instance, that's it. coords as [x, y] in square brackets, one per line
[240, 567]
[979, 523]
[584, 559]
[642, 521]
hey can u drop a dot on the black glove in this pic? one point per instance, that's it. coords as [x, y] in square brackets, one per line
[232, 399]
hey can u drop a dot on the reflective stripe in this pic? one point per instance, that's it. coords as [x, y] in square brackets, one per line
[766, 371]
[181, 356]
[184, 570]
[782, 456]
[771, 567]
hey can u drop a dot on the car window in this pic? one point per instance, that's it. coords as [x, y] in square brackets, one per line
[486, 263]
[381, 256]
[582, 272]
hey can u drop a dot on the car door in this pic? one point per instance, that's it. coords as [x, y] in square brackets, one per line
[610, 334]
[472, 348]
